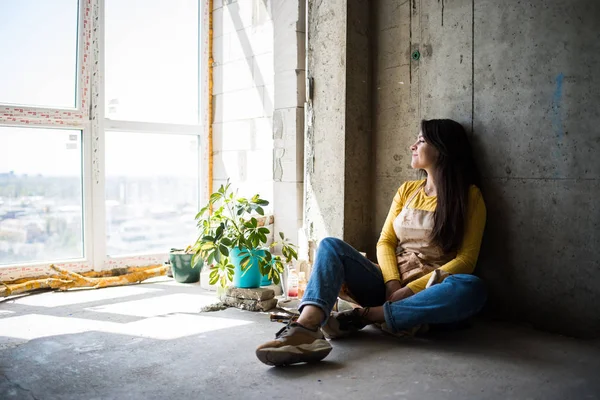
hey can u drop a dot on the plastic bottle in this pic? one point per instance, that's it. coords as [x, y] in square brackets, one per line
[292, 284]
[301, 284]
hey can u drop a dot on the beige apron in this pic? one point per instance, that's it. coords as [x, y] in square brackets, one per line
[415, 253]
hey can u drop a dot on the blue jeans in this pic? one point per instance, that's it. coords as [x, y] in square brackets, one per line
[457, 298]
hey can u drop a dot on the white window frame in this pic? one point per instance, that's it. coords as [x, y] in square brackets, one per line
[89, 118]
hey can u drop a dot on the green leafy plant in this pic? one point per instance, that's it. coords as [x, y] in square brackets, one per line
[229, 222]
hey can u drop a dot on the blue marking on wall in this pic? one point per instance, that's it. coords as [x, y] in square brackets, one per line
[557, 124]
[557, 121]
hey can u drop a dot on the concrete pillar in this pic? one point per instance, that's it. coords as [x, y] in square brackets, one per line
[338, 137]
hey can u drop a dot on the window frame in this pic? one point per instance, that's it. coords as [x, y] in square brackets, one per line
[89, 118]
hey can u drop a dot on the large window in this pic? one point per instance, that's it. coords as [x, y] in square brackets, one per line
[99, 130]
[41, 211]
[151, 191]
[151, 104]
[152, 60]
[38, 44]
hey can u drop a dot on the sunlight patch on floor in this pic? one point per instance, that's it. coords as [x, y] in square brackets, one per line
[177, 325]
[161, 305]
[59, 299]
[34, 326]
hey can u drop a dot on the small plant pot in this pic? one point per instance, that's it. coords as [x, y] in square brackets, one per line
[181, 265]
[251, 277]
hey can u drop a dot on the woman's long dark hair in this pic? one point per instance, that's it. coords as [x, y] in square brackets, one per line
[455, 172]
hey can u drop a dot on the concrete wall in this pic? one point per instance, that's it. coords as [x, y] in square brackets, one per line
[520, 76]
[258, 97]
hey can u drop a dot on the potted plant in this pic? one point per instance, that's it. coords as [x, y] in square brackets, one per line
[233, 242]
[181, 265]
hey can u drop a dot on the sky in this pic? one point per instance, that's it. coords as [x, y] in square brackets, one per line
[38, 42]
[152, 71]
[151, 76]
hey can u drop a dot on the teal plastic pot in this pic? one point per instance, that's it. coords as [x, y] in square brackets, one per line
[250, 278]
[265, 281]
[181, 265]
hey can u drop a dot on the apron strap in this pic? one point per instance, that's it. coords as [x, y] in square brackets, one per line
[414, 195]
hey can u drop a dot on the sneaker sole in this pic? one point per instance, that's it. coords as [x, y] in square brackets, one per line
[286, 355]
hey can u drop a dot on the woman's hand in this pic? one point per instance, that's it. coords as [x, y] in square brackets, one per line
[400, 294]
[391, 287]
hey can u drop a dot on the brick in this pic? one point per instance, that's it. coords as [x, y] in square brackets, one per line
[288, 199]
[221, 49]
[248, 134]
[251, 41]
[236, 135]
[289, 47]
[287, 13]
[263, 135]
[230, 164]
[289, 227]
[240, 13]
[263, 69]
[250, 294]
[243, 104]
[222, 23]
[268, 100]
[249, 305]
[259, 164]
[290, 89]
[288, 134]
[233, 76]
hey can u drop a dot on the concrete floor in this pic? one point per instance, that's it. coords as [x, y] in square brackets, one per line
[149, 341]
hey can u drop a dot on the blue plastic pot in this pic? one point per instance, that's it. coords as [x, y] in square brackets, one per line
[265, 281]
[251, 277]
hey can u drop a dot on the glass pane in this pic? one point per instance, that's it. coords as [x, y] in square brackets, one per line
[151, 192]
[152, 60]
[41, 215]
[38, 43]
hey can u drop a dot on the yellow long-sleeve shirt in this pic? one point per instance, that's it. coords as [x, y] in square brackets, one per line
[466, 257]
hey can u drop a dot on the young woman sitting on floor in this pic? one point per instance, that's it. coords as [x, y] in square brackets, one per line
[430, 238]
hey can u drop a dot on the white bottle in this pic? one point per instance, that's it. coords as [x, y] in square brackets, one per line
[292, 289]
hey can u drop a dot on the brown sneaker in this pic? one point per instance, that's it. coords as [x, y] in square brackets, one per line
[344, 323]
[294, 344]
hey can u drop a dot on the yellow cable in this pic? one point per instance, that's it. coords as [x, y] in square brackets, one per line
[210, 97]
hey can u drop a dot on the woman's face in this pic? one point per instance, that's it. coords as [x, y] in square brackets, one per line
[424, 155]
